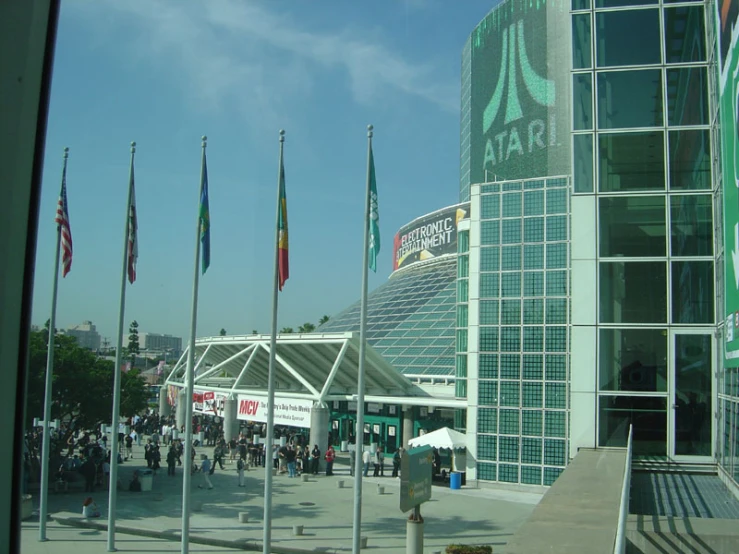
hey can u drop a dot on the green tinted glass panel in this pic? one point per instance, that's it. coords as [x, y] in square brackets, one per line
[687, 96]
[631, 161]
[633, 292]
[489, 285]
[488, 393]
[490, 258]
[692, 225]
[583, 155]
[511, 258]
[533, 283]
[531, 451]
[512, 204]
[557, 201]
[531, 422]
[510, 366]
[533, 202]
[533, 310]
[533, 339]
[690, 159]
[490, 232]
[510, 339]
[533, 256]
[490, 206]
[554, 424]
[488, 366]
[556, 395]
[556, 283]
[632, 226]
[582, 101]
[509, 422]
[639, 46]
[685, 38]
[692, 292]
[630, 99]
[510, 312]
[532, 394]
[533, 229]
[488, 312]
[511, 284]
[582, 57]
[463, 266]
[533, 366]
[556, 228]
[488, 339]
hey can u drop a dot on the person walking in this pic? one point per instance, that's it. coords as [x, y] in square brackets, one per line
[205, 469]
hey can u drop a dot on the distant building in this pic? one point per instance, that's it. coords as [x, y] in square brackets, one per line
[157, 342]
[86, 335]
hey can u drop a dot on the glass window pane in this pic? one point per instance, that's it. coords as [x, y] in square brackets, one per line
[580, 4]
[533, 202]
[511, 258]
[512, 205]
[533, 229]
[618, 3]
[684, 35]
[647, 414]
[582, 101]
[639, 46]
[533, 310]
[692, 225]
[533, 256]
[490, 206]
[629, 99]
[510, 312]
[632, 226]
[692, 292]
[581, 41]
[631, 161]
[690, 159]
[633, 292]
[490, 258]
[583, 146]
[687, 96]
[511, 231]
[533, 283]
[556, 228]
[633, 360]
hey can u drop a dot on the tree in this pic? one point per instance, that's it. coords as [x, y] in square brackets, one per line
[254, 332]
[287, 330]
[306, 328]
[82, 391]
[223, 332]
[324, 319]
[133, 341]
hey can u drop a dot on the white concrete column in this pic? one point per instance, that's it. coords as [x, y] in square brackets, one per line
[180, 411]
[230, 420]
[319, 417]
[408, 421]
[164, 408]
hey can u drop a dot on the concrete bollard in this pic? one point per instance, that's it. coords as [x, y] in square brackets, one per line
[380, 489]
[197, 506]
[340, 483]
[362, 542]
[243, 517]
[297, 530]
[304, 477]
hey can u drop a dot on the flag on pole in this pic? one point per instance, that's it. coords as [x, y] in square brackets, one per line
[282, 242]
[133, 232]
[62, 219]
[204, 217]
[374, 216]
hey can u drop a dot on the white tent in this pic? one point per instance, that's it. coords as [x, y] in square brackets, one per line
[441, 438]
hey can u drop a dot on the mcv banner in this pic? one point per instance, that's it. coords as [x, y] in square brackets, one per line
[293, 412]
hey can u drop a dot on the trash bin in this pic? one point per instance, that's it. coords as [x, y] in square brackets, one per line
[455, 480]
[147, 479]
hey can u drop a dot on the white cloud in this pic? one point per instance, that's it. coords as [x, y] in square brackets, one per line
[243, 55]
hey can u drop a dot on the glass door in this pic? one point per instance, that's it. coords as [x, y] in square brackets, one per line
[692, 397]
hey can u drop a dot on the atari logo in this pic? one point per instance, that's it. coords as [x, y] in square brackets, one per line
[507, 139]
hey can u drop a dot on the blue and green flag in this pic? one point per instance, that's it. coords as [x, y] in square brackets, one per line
[374, 216]
[204, 217]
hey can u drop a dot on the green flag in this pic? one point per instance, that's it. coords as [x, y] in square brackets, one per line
[374, 216]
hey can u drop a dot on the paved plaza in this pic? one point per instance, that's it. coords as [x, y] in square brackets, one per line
[468, 516]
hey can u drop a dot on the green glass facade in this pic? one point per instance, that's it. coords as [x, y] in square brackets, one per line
[522, 352]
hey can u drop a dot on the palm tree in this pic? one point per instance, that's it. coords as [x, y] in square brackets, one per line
[287, 330]
[254, 332]
[324, 319]
[223, 332]
[306, 328]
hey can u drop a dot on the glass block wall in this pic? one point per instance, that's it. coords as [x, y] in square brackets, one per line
[521, 298]
[463, 284]
[411, 319]
[466, 123]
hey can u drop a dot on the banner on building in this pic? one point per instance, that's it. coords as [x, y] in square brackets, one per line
[288, 411]
[728, 32]
[208, 402]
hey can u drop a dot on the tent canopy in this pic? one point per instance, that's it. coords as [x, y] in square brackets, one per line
[441, 438]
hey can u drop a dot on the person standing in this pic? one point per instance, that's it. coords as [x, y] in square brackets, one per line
[352, 461]
[290, 459]
[240, 469]
[330, 456]
[171, 460]
[396, 461]
[365, 461]
[379, 463]
[315, 457]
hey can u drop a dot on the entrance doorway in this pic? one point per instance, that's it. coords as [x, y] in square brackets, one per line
[691, 395]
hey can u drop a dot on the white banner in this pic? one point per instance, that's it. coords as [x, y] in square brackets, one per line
[210, 403]
[288, 411]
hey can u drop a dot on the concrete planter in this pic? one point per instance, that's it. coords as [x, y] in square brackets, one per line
[304, 477]
[297, 530]
[243, 517]
[340, 483]
[380, 489]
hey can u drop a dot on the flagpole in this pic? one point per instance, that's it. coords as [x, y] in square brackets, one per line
[267, 540]
[46, 439]
[189, 378]
[116, 417]
[359, 442]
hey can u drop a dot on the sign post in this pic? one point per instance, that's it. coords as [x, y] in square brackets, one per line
[415, 489]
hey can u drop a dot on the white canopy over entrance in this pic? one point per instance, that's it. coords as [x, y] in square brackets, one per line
[441, 438]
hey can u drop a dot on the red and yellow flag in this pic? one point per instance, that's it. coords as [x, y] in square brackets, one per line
[282, 244]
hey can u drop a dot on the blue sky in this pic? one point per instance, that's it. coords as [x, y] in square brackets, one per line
[163, 73]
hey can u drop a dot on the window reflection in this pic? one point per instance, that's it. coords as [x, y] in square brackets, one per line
[692, 225]
[583, 156]
[629, 99]
[581, 41]
[693, 395]
[692, 292]
[633, 360]
[639, 46]
[632, 226]
[690, 160]
[684, 35]
[633, 292]
[582, 101]
[648, 415]
[687, 97]
[631, 161]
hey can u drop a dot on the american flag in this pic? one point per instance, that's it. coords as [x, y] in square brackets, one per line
[133, 239]
[62, 219]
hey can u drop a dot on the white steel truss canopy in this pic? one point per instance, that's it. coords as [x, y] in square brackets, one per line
[319, 366]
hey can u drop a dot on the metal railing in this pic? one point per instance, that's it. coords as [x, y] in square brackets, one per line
[619, 546]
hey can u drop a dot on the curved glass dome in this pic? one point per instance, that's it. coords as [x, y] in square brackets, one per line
[410, 318]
